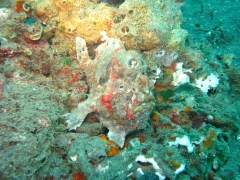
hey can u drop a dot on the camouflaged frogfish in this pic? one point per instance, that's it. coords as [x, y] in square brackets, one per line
[120, 90]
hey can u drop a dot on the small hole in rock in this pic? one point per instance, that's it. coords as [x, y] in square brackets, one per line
[122, 16]
[125, 29]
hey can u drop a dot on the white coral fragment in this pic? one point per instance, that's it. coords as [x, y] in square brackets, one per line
[143, 159]
[183, 141]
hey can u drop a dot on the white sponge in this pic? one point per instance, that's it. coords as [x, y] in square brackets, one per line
[211, 81]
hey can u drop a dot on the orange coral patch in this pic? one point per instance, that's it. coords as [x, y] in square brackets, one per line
[142, 139]
[208, 143]
[78, 176]
[187, 109]
[21, 6]
[106, 140]
[113, 151]
[156, 117]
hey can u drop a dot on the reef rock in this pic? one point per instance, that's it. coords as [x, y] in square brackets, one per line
[120, 92]
[76, 17]
[141, 25]
[149, 24]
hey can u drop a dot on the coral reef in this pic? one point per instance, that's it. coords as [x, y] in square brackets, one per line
[141, 26]
[113, 89]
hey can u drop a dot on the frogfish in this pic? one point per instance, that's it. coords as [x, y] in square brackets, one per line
[120, 91]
